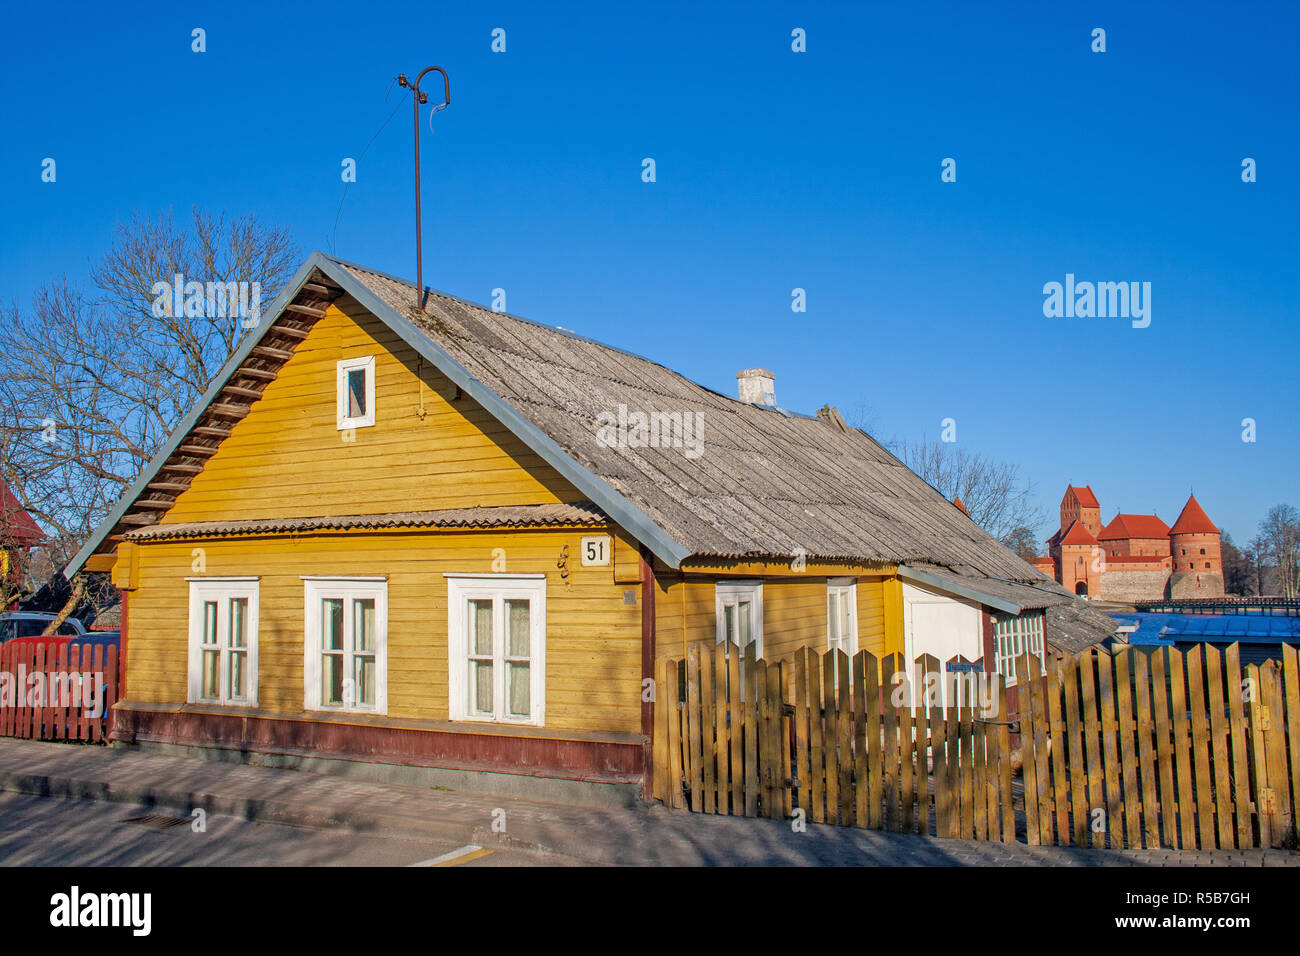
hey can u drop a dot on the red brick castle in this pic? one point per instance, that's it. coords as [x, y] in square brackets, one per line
[1135, 557]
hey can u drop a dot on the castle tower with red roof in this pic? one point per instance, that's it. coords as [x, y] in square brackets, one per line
[1135, 557]
[1197, 559]
[1080, 558]
[1080, 504]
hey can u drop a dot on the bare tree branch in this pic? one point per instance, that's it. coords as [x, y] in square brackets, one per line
[94, 380]
[996, 497]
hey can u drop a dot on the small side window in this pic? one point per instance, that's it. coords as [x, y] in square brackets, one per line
[356, 392]
[842, 615]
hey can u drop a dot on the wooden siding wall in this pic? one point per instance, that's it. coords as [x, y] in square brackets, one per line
[871, 618]
[794, 615]
[593, 639]
[287, 458]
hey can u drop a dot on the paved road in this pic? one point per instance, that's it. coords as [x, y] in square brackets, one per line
[45, 831]
[319, 819]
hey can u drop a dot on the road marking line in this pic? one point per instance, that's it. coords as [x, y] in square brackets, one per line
[456, 857]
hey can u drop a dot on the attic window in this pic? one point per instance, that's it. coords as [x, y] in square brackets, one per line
[356, 392]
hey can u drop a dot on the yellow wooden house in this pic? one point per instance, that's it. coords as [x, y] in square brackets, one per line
[453, 538]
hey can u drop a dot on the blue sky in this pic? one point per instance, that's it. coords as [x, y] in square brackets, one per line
[775, 170]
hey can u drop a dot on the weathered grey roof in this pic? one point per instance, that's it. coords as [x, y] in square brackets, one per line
[768, 483]
[513, 516]
[1006, 595]
[1075, 626]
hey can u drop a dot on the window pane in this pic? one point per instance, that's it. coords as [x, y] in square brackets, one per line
[331, 691]
[239, 622]
[519, 696]
[517, 624]
[238, 690]
[331, 618]
[211, 674]
[746, 612]
[365, 681]
[363, 624]
[356, 392]
[209, 622]
[729, 623]
[480, 679]
[479, 622]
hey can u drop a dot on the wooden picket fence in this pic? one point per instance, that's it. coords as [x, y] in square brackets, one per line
[56, 705]
[1135, 749]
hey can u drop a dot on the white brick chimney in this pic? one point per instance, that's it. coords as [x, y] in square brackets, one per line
[757, 386]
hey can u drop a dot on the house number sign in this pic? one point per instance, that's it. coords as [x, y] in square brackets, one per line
[595, 551]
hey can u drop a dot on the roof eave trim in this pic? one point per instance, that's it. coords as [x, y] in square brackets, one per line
[962, 590]
[287, 295]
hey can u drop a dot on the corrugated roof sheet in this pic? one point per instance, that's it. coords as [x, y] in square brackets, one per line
[1076, 626]
[515, 516]
[767, 483]
[1233, 627]
[1033, 595]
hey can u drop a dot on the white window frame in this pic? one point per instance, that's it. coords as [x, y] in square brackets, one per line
[1011, 635]
[727, 593]
[847, 589]
[317, 589]
[498, 588]
[367, 363]
[222, 591]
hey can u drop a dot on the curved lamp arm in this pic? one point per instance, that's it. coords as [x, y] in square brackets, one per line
[418, 99]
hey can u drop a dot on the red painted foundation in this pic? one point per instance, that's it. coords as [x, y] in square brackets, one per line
[595, 760]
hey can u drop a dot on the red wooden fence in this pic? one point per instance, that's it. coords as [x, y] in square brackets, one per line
[57, 691]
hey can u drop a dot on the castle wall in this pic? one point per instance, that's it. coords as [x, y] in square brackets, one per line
[1081, 563]
[1125, 587]
[1188, 559]
[1137, 546]
[1198, 584]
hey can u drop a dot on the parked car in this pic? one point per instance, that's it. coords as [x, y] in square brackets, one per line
[86, 639]
[16, 624]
